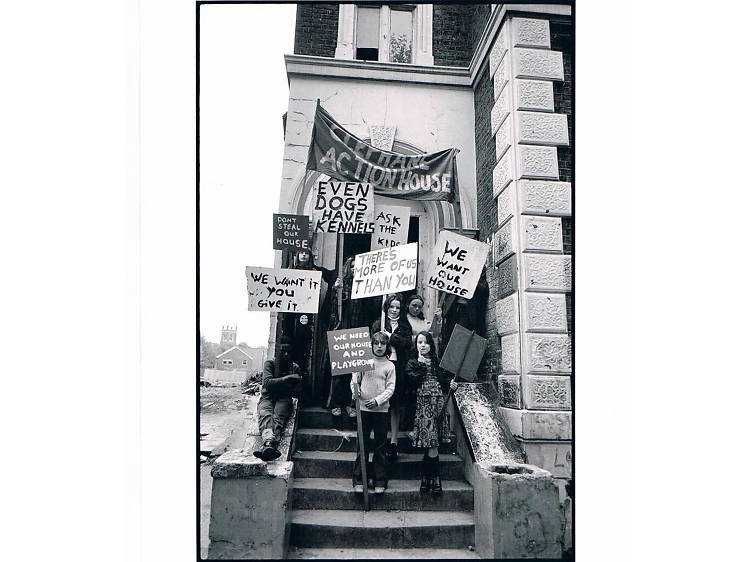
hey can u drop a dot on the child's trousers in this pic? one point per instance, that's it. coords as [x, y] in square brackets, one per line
[377, 422]
[272, 415]
[340, 392]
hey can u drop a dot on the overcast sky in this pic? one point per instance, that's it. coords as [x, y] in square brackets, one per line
[243, 94]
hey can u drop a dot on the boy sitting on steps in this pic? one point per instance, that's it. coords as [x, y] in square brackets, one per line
[275, 404]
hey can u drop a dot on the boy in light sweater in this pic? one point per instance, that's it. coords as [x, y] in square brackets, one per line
[376, 388]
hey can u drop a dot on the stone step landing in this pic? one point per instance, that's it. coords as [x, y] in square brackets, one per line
[319, 464]
[337, 493]
[381, 529]
[324, 439]
[298, 553]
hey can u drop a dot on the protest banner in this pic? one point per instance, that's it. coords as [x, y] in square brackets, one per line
[391, 226]
[283, 290]
[291, 232]
[390, 270]
[343, 206]
[350, 351]
[457, 263]
[342, 155]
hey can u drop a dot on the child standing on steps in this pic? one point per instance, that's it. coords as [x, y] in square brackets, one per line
[432, 383]
[375, 389]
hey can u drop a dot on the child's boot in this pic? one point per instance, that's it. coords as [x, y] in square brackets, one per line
[426, 484]
[437, 485]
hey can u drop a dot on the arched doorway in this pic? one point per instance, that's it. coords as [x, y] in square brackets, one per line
[426, 220]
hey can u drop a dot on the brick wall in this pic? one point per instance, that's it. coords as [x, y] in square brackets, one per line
[561, 39]
[316, 29]
[479, 18]
[487, 209]
[451, 24]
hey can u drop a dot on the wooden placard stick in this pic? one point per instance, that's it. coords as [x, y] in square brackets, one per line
[382, 314]
[340, 268]
[458, 373]
[361, 439]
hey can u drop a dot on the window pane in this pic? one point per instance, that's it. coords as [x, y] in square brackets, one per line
[368, 22]
[401, 35]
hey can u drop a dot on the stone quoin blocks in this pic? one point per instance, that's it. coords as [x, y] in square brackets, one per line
[548, 353]
[546, 393]
[502, 173]
[553, 198]
[510, 348]
[504, 242]
[548, 273]
[547, 425]
[542, 128]
[542, 234]
[537, 162]
[509, 390]
[546, 313]
[506, 315]
[500, 110]
[534, 95]
[530, 33]
[506, 204]
[507, 273]
[499, 48]
[538, 424]
[500, 79]
[555, 457]
[502, 139]
[537, 63]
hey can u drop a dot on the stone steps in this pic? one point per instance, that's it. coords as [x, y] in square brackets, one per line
[298, 553]
[324, 439]
[328, 518]
[316, 417]
[337, 493]
[344, 528]
[316, 464]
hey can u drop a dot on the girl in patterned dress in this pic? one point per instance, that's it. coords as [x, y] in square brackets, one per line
[432, 384]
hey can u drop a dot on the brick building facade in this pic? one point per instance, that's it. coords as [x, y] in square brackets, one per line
[495, 81]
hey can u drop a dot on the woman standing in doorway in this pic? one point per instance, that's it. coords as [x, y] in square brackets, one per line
[399, 333]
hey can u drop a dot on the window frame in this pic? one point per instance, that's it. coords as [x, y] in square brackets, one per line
[384, 30]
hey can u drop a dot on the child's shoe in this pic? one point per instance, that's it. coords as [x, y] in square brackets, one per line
[392, 453]
[336, 412]
[351, 412]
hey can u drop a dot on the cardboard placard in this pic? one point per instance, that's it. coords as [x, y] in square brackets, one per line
[343, 206]
[350, 351]
[391, 226]
[464, 353]
[390, 270]
[291, 232]
[283, 290]
[457, 263]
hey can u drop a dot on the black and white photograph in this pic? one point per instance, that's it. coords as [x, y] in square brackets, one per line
[385, 300]
[341, 281]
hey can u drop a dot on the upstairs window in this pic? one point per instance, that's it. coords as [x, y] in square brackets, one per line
[385, 33]
[368, 28]
[401, 36]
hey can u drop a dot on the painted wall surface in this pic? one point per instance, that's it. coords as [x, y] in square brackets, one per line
[429, 117]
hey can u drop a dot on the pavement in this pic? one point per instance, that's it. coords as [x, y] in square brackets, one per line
[224, 422]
